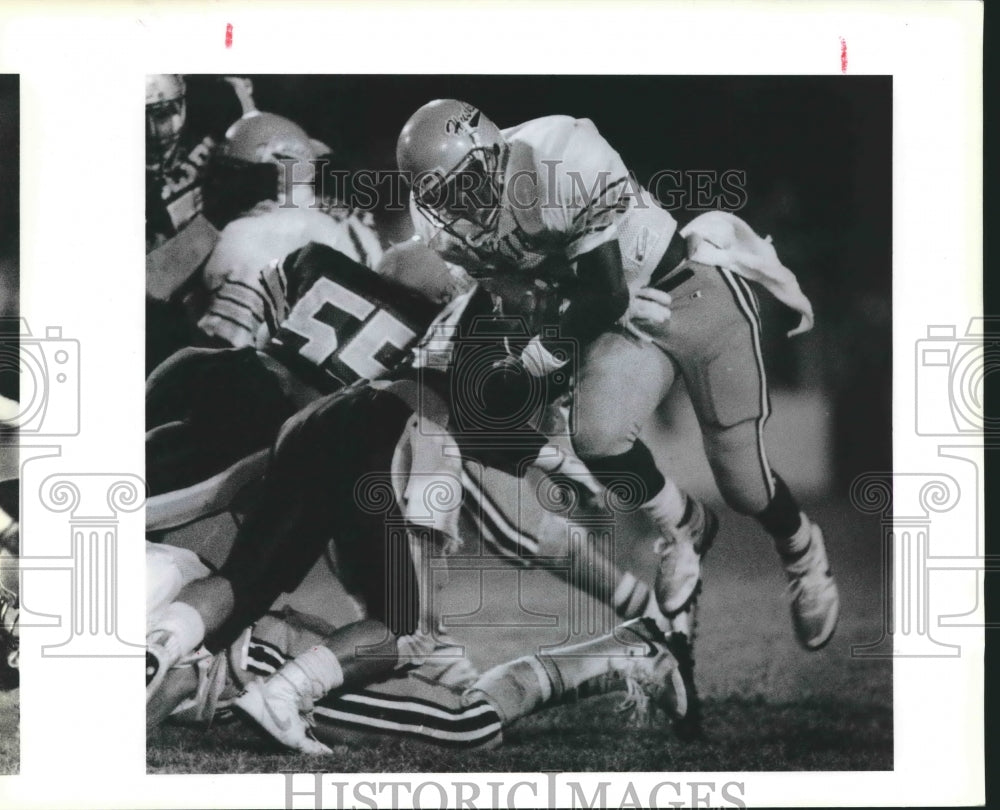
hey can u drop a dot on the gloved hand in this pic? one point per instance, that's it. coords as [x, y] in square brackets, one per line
[647, 308]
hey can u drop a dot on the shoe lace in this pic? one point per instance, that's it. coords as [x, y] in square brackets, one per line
[306, 706]
[636, 707]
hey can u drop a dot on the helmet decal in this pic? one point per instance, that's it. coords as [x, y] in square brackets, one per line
[466, 121]
[455, 158]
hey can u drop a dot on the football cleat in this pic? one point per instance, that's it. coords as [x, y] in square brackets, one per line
[681, 550]
[687, 727]
[815, 600]
[650, 672]
[277, 707]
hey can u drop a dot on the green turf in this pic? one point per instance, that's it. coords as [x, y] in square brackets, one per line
[10, 737]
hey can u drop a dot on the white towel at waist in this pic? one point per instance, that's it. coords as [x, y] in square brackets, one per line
[723, 239]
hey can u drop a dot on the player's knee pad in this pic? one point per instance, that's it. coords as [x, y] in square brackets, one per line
[602, 438]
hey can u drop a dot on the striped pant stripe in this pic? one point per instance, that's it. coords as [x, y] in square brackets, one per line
[508, 538]
[746, 301]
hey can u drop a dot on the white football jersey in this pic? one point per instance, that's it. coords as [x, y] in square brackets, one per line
[240, 272]
[566, 191]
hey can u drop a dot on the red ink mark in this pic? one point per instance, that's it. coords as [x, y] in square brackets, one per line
[843, 55]
[229, 35]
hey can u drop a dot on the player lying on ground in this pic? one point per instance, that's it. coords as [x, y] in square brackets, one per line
[282, 673]
[552, 192]
[208, 410]
[367, 467]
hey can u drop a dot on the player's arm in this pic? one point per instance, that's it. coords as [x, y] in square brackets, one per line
[589, 194]
[601, 298]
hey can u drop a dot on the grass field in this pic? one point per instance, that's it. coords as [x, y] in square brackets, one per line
[10, 738]
[768, 704]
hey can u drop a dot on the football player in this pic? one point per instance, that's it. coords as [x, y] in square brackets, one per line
[270, 676]
[175, 173]
[642, 306]
[337, 322]
[208, 409]
[283, 216]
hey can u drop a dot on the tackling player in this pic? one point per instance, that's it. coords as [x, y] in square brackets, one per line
[502, 203]
[200, 422]
[275, 674]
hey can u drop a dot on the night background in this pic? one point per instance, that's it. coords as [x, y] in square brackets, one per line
[817, 156]
[9, 219]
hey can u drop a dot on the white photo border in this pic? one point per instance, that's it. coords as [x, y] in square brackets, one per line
[82, 206]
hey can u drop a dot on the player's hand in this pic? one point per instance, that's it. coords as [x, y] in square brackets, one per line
[539, 361]
[648, 307]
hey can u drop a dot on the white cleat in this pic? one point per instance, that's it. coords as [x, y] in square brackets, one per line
[815, 601]
[650, 671]
[276, 707]
[681, 549]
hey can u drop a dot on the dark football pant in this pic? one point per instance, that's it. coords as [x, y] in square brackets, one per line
[407, 705]
[205, 410]
[311, 495]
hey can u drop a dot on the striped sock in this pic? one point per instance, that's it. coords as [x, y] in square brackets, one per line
[632, 597]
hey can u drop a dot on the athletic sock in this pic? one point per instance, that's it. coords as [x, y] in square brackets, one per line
[795, 547]
[518, 688]
[786, 524]
[314, 673]
[631, 478]
[631, 597]
[669, 508]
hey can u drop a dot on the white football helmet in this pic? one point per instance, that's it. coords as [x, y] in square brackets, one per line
[454, 158]
[166, 112]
